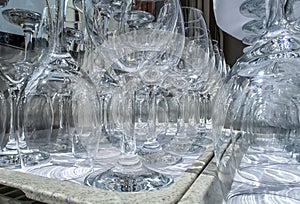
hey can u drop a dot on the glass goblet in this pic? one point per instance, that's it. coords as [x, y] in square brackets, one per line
[15, 72]
[60, 110]
[130, 37]
[255, 123]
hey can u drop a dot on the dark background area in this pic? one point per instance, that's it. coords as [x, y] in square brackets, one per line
[232, 47]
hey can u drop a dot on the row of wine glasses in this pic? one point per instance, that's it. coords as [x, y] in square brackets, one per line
[153, 79]
[116, 97]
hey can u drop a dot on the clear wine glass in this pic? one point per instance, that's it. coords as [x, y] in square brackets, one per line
[60, 109]
[255, 122]
[153, 77]
[130, 38]
[184, 80]
[15, 72]
[104, 77]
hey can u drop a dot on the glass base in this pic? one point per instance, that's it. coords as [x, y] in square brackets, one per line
[179, 147]
[204, 137]
[107, 153]
[10, 159]
[12, 145]
[138, 181]
[63, 167]
[160, 159]
[32, 158]
[150, 147]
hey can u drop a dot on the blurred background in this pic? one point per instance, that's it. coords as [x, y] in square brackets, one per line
[232, 47]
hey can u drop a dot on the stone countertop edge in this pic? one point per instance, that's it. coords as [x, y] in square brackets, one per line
[55, 191]
[205, 189]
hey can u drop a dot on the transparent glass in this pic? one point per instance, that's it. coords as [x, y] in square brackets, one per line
[60, 110]
[15, 72]
[130, 37]
[256, 123]
[183, 82]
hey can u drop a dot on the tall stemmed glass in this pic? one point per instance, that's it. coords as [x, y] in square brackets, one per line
[104, 77]
[60, 109]
[15, 72]
[184, 77]
[130, 39]
[153, 77]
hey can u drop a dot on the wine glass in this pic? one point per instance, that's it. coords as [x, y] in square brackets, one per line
[60, 109]
[15, 72]
[255, 123]
[130, 38]
[184, 80]
[153, 77]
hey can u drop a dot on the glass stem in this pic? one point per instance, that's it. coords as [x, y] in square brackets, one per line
[129, 159]
[152, 143]
[63, 119]
[275, 13]
[58, 37]
[28, 30]
[191, 109]
[63, 125]
[181, 129]
[28, 39]
[13, 99]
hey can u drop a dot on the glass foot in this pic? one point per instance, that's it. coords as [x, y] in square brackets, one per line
[10, 159]
[204, 138]
[178, 147]
[63, 167]
[31, 158]
[160, 159]
[195, 150]
[12, 145]
[138, 181]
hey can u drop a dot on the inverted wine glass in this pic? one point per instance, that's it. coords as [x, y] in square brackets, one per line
[60, 110]
[15, 72]
[256, 123]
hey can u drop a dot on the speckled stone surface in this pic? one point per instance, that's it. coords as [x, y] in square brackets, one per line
[205, 189]
[56, 191]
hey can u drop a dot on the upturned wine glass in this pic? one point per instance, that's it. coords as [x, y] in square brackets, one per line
[15, 72]
[131, 37]
[60, 110]
[255, 121]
